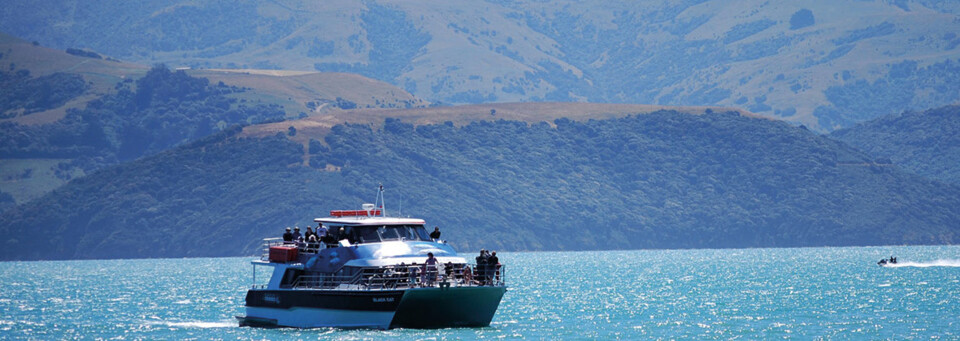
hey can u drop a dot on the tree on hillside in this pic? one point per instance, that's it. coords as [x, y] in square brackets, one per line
[802, 18]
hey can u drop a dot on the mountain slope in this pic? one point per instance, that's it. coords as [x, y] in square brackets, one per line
[97, 75]
[926, 143]
[826, 65]
[66, 113]
[658, 180]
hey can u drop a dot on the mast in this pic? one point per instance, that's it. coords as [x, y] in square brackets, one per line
[379, 202]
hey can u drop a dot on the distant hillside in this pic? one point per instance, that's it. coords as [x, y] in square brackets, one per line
[33, 76]
[313, 92]
[64, 113]
[658, 180]
[160, 110]
[825, 64]
[317, 126]
[30, 70]
[926, 143]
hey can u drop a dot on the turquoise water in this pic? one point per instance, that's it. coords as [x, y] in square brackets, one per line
[834, 293]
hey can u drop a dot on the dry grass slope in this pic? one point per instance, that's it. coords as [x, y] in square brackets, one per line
[317, 126]
[294, 89]
[100, 74]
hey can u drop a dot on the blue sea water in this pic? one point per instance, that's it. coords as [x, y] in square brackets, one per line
[807, 293]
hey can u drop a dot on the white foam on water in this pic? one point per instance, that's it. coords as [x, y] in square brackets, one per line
[952, 263]
[199, 324]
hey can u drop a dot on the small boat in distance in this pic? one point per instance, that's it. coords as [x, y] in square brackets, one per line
[371, 271]
[885, 262]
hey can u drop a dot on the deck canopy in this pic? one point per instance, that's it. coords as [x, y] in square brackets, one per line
[369, 221]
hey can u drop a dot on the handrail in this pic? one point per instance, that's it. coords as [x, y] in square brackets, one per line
[397, 277]
[393, 276]
[302, 247]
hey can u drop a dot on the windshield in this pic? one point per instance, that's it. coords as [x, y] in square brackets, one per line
[376, 234]
[369, 235]
[389, 232]
[422, 232]
[407, 233]
[403, 232]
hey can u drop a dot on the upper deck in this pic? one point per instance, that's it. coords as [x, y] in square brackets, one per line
[365, 248]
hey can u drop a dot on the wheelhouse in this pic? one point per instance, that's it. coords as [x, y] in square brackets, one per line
[366, 234]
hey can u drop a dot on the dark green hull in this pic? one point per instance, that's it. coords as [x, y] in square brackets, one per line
[447, 307]
[432, 307]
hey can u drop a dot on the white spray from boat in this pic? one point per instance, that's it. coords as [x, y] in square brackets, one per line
[950, 263]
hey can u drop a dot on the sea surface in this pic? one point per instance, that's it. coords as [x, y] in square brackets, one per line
[806, 293]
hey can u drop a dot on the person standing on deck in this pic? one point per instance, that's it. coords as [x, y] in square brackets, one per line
[435, 235]
[297, 237]
[494, 265]
[321, 231]
[481, 266]
[467, 275]
[430, 267]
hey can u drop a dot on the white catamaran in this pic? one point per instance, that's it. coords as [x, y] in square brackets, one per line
[371, 271]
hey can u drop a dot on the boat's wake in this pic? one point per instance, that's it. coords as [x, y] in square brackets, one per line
[199, 324]
[950, 263]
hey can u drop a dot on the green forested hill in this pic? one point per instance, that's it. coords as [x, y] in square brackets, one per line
[160, 110]
[660, 180]
[66, 113]
[826, 64]
[926, 143]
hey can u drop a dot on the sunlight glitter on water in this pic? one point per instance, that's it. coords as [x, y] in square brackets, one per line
[694, 294]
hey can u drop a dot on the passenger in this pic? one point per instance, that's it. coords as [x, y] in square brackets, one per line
[488, 268]
[467, 275]
[402, 273]
[430, 267]
[414, 274]
[390, 277]
[481, 266]
[306, 236]
[313, 243]
[435, 235]
[297, 237]
[287, 237]
[495, 265]
[448, 271]
[322, 231]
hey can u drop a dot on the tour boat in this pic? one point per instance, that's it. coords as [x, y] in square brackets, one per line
[371, 272]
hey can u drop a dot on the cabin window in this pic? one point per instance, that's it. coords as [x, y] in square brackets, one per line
[407, 232]
[390, 232]
[369, 235]
[422, 232]
[334, 232]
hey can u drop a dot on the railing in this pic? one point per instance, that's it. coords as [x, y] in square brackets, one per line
[390, 277]
[302, 247]
[404, 277]
[265, 248]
